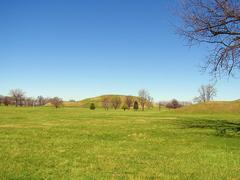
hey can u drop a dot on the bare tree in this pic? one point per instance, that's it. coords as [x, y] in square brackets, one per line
[106, 103]
[46, 100]
[6, 100]
[206, 93]
[128, 101]
[217, 23]
[18, 96]
[150, 102]
[143, 97]
[40, 100]
[56, 102]
[116, 102]
[159, 105]
[29, 101]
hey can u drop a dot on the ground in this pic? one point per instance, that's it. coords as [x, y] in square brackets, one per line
[77, 143]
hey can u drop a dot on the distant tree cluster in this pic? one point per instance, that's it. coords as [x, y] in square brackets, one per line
[112, 102]
[17, 97]
[116, 102]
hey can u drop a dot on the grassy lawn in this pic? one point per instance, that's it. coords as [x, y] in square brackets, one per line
[74, 143]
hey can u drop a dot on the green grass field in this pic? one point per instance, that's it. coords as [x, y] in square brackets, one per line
[76, 143]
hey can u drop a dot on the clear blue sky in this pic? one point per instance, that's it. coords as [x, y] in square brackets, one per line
[83, 48]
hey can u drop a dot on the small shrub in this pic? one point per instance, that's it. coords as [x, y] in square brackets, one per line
[124, 107]
[92, 106]
[174, 104]
[233, 131]
[221, 132]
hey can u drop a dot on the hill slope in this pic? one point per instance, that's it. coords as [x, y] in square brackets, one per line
[96, 100]
[213, 107]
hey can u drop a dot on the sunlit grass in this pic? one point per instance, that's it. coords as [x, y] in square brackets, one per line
[74, 143]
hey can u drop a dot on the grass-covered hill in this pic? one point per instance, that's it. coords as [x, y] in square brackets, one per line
[213, 107]
[96, 100]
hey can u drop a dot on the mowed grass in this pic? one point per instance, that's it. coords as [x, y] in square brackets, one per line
[76, 143]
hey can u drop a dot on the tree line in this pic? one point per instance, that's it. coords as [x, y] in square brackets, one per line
[17, 97]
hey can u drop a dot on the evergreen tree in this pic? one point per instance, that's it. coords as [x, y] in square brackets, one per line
[92, 106]
[135, 106]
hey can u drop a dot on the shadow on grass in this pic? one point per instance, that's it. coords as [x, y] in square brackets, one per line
[222, 127]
